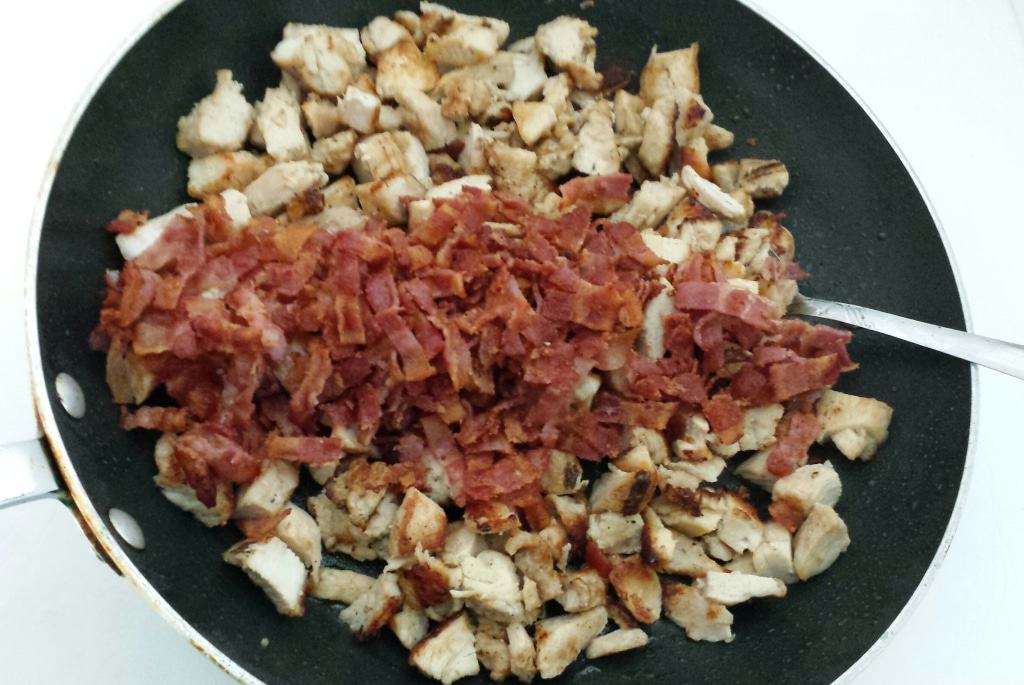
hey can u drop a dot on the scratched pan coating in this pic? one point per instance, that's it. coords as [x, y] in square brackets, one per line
[862, 229]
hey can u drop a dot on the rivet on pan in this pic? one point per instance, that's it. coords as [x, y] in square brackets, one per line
[70, 394]
[127, 527]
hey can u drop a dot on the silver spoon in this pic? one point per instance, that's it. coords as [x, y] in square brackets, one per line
[994, 354]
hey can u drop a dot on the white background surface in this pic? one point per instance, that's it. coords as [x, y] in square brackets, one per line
[947, 80]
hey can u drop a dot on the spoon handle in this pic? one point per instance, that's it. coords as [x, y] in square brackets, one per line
[994, 354]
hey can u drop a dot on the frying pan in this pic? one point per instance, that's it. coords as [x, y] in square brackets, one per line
[863, 230]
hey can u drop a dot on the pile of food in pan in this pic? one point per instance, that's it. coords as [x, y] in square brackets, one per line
[515, 324]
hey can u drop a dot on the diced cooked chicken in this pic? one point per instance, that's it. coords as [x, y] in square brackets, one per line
[424, 118]
[382, 34]
[492, 649]
[755, 470]
[533, 120]
[808, 485]
[449, 653]
[387, 198]
[372, 610]
[273, 566]
[335, 219]
[278, 124]
[669, 74]
[426, 582]
[146, 235]
[694, 119]
[563, 475]
[622, 492]
[717, 549]
[322, 115]
[409, 625]
[340, 534]
[416, 161]
[379, 157]
[403, 67]
[412, 23]
[130, 381]
[359, 110]
[528, 75]
[740, 527]
[419, 521]
[651, 343]
[223, 170]
[536, 560]
[615, 533]
[651, 204]
[490, 586]
[569, 43]
[171, 481]
[323, 58]
[759, 425]
[658, 136]
[457, 40]
[340, 585]
[571, 512]
[461, 542]
[561, 639]
[685, 519]
[735, 588]
[672, 250]
[586, 390]
[694, 153]
[596, 153]
[617, 641]
[711, 196]
[705, 471]
[281, 183]
[584, 590]
[515, 171]
[219, 122]
[452, 188]
[774, 556]
[760, 178]
[522, 655]
[555, 152]
[743, 563]
[299, 531]
[473, 158]
[335, 152]
[701, 618]
[718, 138]
[856, 425]
[638, 588]
[269, 492]
[491, 517]
[822, 537]
[340, 193]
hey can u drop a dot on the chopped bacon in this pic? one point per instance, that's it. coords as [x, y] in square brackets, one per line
[598, 194]
[786, 514]
[792, 378]
[164, 419]
[795, 435]
[725, 416]
[726, 299]
[303, 449]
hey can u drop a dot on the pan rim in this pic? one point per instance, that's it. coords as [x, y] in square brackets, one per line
[105, 537]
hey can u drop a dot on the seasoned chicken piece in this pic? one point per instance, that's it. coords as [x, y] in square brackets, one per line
[378, 157]
[658, 136]
[759, 425]
[340, 585]
[533, 120]
[615, 533]
[491, 517]
[279, 126]
[563, 475]
[448, 653]
[403, 67]
[701, 618]
[322, 115]
[323, 58]
[359, 110]
[528, 77]
[653, 440]
[372, 610]
[651, 204]
[171, 481]
[735, 588]
[688, 520]
[281, 183]
[409, 625]
[774, 556]
[335, 219]
[705, 471]
[412, 23]
[561, 639]
[536, 561]
[586, 390]
[636, 459]
[457, 40]
[335, 152]
[340, 534]
[694, 153]
[223, 170]
[425, 581]
[755, 470]
[460, 543]
[299, 531]
[423, 117]
[760, 178]
[638, 588]
[584, 590]
[822, 537]
[130, 381]
[672, 250]
[419, 521]
[856, 425]
[806, 486]
[740, 527]
[382, 34]
[718, 138]
[711, 196]
[387, 199]
[623, 492]
[572, 514]
[694, 119]
[275, 568]
[340, 193]
[521, 653]
[689, 558]
[555, 153]
[617, 641]
[569, 43]
[657, 543]
[492, 649]
[269, 492]
[490, 586]
[146, 235]
[219, 122]
[596, 153]
[467, 98]
[629, 120]
[717, 549]
[515, 171]
[670, 74]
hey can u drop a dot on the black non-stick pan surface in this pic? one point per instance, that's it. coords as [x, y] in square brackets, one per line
[863, 232]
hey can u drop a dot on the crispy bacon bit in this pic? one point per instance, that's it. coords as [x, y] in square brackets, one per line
[786, 514]
[598, 194]
[795, 435]
[725, 416]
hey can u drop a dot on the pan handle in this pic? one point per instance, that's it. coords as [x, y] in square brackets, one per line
[26, 473]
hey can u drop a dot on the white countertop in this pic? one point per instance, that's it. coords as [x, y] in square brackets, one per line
[945, 77]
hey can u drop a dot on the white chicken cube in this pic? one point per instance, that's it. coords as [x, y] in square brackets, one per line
[516, 171]
[403, 67]
[651, 343]
[410, 625]
[359, 110]
[382, 34]
[422, 115]
[452, 189]
[670, 74]
[740, 527]
[533, 120]
[689, 558]
[220, 122]
[416, 161]
[561, 639]
[281, 183]
[596, 153]
[449, 653]
[759, 425]
[279, 122]
[387, 199]
[372, 610]
[269, 492]
[755, 470]
[651, 204]
[145, 236]
[822, 537]
[223, 170]
[658, 136]
[490, 586]
[323, 58]
[322, 115]
[236, 206]
[466, 42]
[616, 642]
[419, 521]
[856, 425]
[299, 531]
[275, 568]
[341, 585]
[615, 533]
[569, 43]
[583, 590]
[712, 197]
[672, 250]
[809, 485]
[774, 556]
[334, 152]
[735, 588]
[522, 655]
[702, 619]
